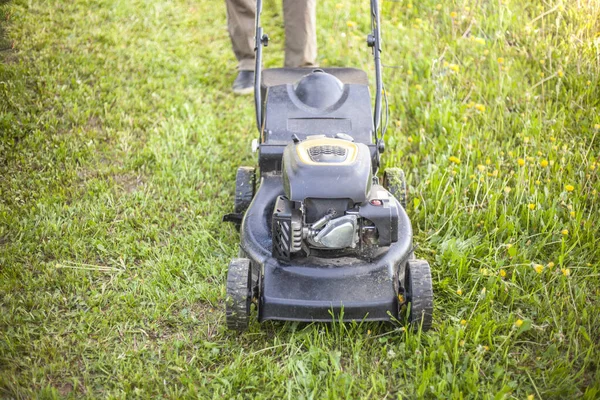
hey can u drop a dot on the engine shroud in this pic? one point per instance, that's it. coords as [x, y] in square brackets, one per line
[323, 168]
[330, 201]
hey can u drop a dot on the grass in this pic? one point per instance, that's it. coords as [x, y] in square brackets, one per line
[119, 140]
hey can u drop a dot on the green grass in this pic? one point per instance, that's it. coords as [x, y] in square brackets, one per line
[119, 140]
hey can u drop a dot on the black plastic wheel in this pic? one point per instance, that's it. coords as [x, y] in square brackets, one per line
[394, 181]
[240, 287]
[244, 189]
[418, 290]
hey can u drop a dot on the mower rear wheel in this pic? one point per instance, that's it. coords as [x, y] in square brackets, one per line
[394, 181]
[244, 189]
[419, 294]
[240, 290]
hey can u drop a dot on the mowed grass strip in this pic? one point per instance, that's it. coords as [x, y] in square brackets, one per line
[119, 140]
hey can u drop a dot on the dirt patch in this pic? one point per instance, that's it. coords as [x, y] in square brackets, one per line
[128, 182]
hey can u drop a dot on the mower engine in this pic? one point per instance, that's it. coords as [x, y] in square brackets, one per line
[331, 201]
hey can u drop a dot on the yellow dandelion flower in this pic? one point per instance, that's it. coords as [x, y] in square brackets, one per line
[518, 323]
[569, 188]
[542, 62]
[565, 232]
[539, 268]
[588, 83]
[368, 332]
[453, 14]
[507, 190]
[572, 213]
[597, 126]
[463, 322]
[503, 273]
[454, 159]
[459, 292]
[410, 139]
[481, 167]
[486, 348]
[560, 73]
[409, 72]
[479, 40]
[461, 343]
[339, 6]
[480, 107]
[454, 67]
[565, 271]
[409, 6]
[486, 52]
[531, 206]
[521, 162]
[500, 60]
[530, 397]
[438, 7]
[544, 163]
[351, 24]
[488, 161]
[418, 87]
[550, 264]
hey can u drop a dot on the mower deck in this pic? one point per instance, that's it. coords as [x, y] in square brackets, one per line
[319, 288]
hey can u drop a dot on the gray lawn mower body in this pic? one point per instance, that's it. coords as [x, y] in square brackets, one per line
[321, 238]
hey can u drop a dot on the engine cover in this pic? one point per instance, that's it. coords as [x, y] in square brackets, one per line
[327, 168]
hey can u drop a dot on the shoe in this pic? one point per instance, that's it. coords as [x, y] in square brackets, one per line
[244, 83]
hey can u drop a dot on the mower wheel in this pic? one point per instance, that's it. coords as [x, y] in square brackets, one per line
[240, 290]
[244, 189]
[394, 181]
[419, 294]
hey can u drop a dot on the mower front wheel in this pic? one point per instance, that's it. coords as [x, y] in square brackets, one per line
[241, 286]
[418, 290]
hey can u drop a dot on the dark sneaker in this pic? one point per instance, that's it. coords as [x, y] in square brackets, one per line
[244, 83]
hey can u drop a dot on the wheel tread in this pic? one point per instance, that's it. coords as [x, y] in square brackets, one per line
[237, 301]
[421, 308]
[394, 181]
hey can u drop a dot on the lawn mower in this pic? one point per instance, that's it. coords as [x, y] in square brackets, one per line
[322, 238]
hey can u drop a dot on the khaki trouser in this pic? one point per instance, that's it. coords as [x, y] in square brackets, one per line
[300, 32]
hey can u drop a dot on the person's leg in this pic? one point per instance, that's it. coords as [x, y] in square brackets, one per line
[300, 17]
[240, 23]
